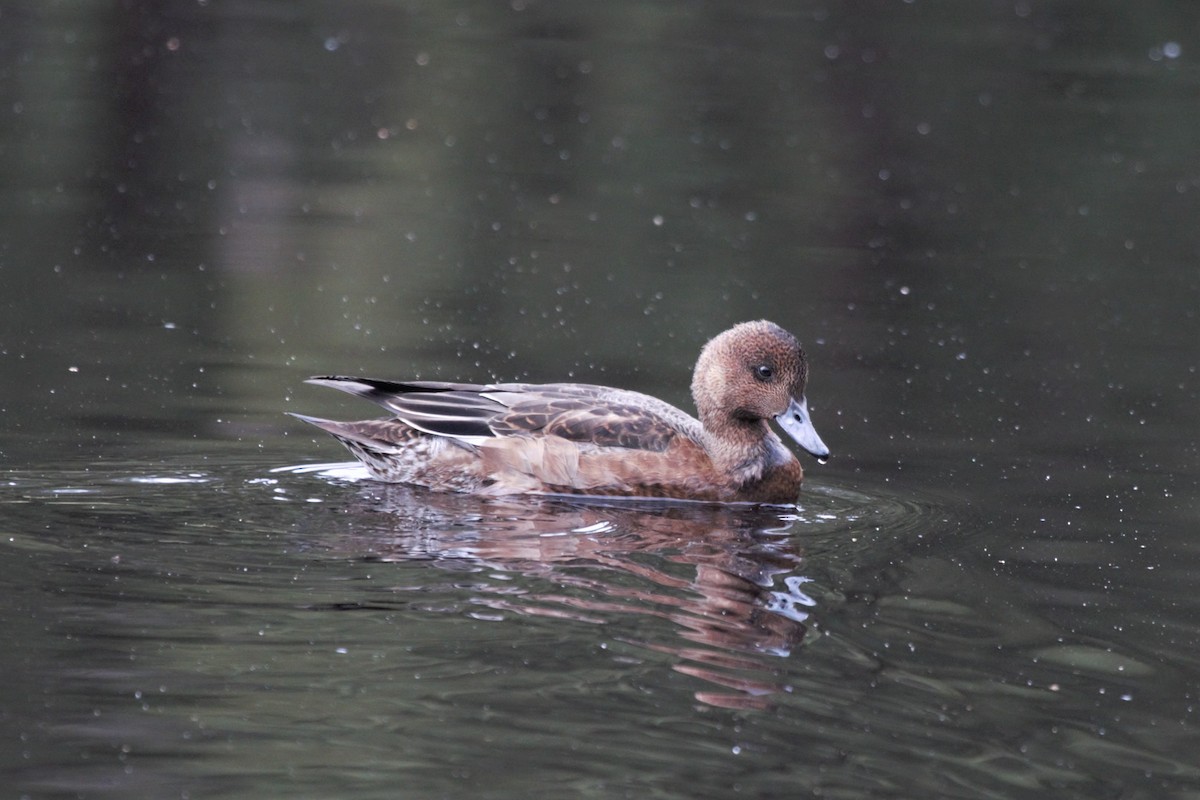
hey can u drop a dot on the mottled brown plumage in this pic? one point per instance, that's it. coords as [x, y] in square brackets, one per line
[516, 438]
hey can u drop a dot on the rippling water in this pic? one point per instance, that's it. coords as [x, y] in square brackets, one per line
[317, 631]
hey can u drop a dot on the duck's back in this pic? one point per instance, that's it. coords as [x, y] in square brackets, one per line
[577, 412]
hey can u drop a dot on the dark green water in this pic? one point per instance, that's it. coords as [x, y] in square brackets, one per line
[981, 219]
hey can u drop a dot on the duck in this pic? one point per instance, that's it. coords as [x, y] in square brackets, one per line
[501, 439]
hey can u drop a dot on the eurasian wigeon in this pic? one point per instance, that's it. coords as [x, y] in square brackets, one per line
[573, 438]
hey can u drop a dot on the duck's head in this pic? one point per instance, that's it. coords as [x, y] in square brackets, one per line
[753, 372]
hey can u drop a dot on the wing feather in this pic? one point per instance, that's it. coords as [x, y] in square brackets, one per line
[474, 413]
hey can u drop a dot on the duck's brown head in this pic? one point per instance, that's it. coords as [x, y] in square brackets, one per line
[753, 372]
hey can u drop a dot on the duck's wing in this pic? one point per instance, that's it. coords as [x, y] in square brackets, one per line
[586, 414]
[474, 413]
[456, 410]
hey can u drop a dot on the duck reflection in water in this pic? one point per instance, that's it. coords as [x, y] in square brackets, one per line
[726, 578]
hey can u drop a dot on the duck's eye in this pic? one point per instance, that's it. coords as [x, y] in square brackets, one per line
[764, 372]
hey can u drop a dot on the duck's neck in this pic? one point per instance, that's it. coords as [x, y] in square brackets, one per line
[743, 448]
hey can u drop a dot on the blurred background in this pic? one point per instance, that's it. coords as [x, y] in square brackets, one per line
[981, 223]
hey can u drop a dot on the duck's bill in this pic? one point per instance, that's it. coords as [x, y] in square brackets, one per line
[798, 425]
